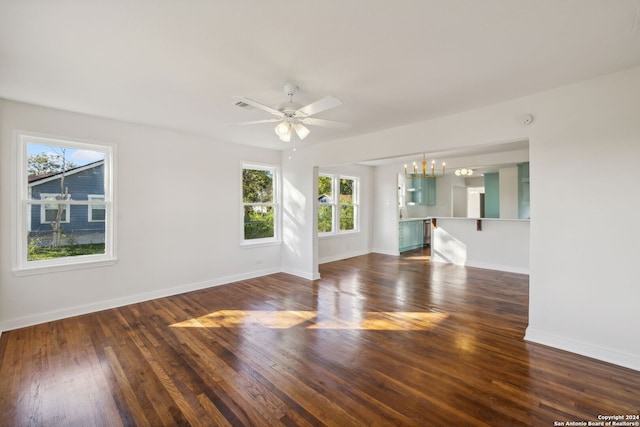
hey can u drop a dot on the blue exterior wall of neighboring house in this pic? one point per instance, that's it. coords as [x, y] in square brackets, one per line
[80, 182]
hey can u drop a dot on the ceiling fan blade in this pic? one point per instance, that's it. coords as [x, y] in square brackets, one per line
[319, 106]
[255, 122]
[258, 105]
[325, 123]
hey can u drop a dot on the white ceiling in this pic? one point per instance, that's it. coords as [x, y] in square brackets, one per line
[176, 64]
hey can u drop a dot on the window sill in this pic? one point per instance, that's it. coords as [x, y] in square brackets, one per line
[334, 235]
[50, 268]
[259, 243]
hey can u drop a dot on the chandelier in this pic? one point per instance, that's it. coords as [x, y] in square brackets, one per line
[425, 173]
[464, 172]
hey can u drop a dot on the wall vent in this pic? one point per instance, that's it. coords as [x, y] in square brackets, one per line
[243, 105]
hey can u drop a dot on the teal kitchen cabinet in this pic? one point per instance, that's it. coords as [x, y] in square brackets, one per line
[411, 234]
[424, 191]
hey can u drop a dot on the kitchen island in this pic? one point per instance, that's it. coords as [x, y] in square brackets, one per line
[493, 243]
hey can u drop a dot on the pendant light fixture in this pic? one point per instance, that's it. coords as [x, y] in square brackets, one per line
[464, 172]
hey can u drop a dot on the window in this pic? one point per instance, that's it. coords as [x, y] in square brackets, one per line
[337, 204]
[49, 212]
[97, 213]
[325, 204]
[260, 203]
[65, 211]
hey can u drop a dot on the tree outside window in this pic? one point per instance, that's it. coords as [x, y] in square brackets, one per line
[259, 202]
[337, 214]
[347, 204]
[325, 204]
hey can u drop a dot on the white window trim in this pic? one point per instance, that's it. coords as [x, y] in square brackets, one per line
[333, 230]
[43, 208]
[335, 191]
[276, 204]
[95, 198]
[22, 208]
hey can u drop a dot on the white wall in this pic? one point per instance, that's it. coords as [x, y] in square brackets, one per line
[385, 210]
[300, 223]
[346, 245]
[458, 201]
[583, 289]
[508, 185]
[445, 196]
[163, 248]
[476, 181]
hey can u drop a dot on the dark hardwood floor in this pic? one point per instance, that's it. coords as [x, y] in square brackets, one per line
[379, 340]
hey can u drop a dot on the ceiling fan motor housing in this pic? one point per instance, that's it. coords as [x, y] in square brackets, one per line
[290, 89]
[289, 108]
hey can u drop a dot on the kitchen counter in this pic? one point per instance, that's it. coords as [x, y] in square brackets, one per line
[413, 219]
[461, 219]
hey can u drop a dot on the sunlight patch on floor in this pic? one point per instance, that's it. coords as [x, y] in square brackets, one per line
[370, 321]
[243, 318]
[420, 257]
[385, 321]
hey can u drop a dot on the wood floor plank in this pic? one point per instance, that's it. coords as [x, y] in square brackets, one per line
[378, 340]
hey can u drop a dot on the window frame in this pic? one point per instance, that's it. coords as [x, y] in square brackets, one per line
[336, 205]
[43, 209]
[276, 205]
[92, 207]
[331, 205]
[22, 211]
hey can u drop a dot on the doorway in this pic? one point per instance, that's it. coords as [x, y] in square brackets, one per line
[475, 202]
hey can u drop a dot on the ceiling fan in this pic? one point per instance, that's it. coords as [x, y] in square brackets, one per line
[292, 116]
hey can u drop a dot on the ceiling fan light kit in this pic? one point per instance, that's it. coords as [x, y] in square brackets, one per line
[283, 129]
[302, 131]
[293, 117]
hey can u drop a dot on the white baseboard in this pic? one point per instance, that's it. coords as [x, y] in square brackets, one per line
[488, 266]
[303, 274]
[385, 252]
[131, 299]
[606, 355]
[499, 267]
[341, 256]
